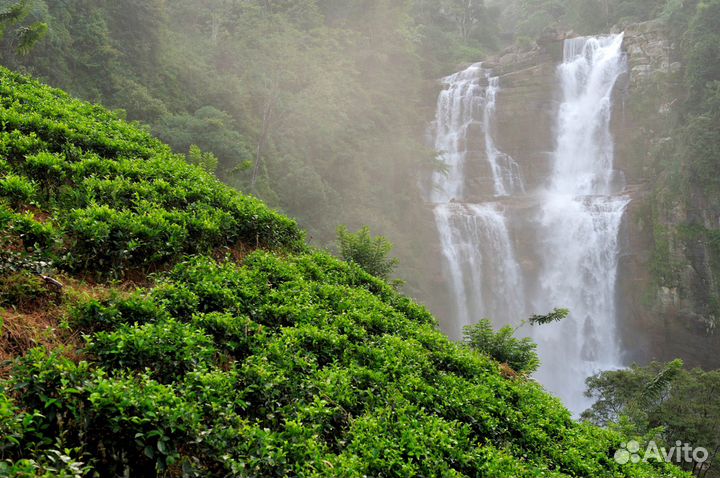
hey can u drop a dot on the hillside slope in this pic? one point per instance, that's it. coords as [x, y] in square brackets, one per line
[244, 353]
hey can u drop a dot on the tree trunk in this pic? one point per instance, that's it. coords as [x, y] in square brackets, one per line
[267, 114]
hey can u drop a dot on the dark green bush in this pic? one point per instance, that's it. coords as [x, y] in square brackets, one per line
[47, 383]
[48, 169]
[20, 431]
[140, 420]
[370, 253]
[27, 244]
[123, 423]
[238, 335]
[331, 379]
[177, 300]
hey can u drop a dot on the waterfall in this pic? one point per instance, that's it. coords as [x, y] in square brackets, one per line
[465, 106]
[579, 222]
[484, 275]
[476, 243]
[457, 109]
[583, 160]
[571, 238]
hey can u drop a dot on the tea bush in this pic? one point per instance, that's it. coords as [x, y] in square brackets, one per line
[122, 199]
[294, 367]
[288, 362]
[168, 348]
[237, 335]
[21, 289]
[17, 190]
[324, 378]
[95, 315]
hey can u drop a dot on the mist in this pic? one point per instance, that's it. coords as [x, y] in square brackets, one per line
[522, 155]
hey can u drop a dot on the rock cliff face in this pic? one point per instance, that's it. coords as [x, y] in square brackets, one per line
[666, 289]
[665, 283]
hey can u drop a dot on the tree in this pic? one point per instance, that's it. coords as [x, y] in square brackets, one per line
[137, 28]
[211, 130]
[466, 14]
[703, 52]
[555, 316]
[26, 36]
[663, 401]
[207, 161]
[370, 253]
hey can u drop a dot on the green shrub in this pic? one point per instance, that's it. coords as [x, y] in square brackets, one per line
[15, 145]
[206, 161]
[125, 422]
[238, 335]
[143, 423]
[19, 430]
[402, 440]
[168, 348]
[48, 169]
[114, 239]
[370, 253]
[18, 190]
[98, 315]
[34, 236]
[124, 201]
[177, 300]
[322, 376]
[23, 288]
[519, 354]
[51, 464]
[47, 382]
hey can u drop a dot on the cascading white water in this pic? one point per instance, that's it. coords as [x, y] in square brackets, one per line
[579, 223]
[457, 109]
[479, 254]
[574, 237]
[485, 276]
[466, 105]
[583, 160]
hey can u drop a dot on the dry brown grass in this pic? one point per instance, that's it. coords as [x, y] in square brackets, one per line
[508, 372]
[43, 323]
[38, 214]
[237, 252]
[22, 331]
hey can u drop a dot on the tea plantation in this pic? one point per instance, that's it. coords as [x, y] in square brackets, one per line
[158, 323]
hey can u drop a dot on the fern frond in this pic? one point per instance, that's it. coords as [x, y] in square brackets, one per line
[659, 383]
[15, 13]
[27, 37]
[555, 316]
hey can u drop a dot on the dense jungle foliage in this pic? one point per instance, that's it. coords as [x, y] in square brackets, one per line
[195, 333]
[317, 107]
[244, 353]
[320, 107]
[665, 402]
